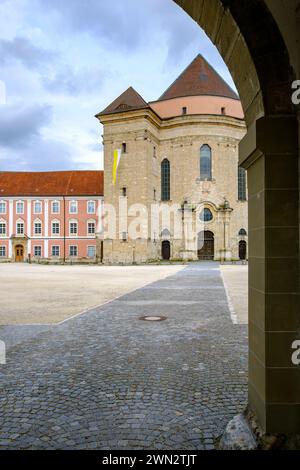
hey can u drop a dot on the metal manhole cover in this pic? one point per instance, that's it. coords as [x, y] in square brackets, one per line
[153, 318]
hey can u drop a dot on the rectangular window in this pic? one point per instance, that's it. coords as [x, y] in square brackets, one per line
[55, 207]
[73, 250]
[124, 148]
[20, 207]
[2, 251]
[73, 228]
[2, 228]
[124, 192]
[55, 228]
[184, 110]
[124, 236]
[2, 207]
[38, 251]
[242, 184]
[37, 228]
[55, 250]
[73, 207]
[91, 251]
[37, 207]
[91, 207]
[20, 228]
[91, 228]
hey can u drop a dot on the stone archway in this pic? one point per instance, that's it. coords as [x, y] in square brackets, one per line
[251, 44]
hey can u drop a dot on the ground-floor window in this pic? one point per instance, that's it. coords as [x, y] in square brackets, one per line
[2, 251]
[91, 251]
[73, 250]
[55, 250]
[2, 228]
[38, 251]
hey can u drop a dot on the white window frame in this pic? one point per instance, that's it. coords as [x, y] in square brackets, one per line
[17, 204]
[70, 232]
[55, 246]
[73, 246]
[3, 222]
[55, 234]
[91, 221]
[52, 205]
[34, 207]
[70, 205]
[3, 248]
[94, 248]
[37, 221]
[5, 207]
[94, 205]
[19, 222]
[34, 248]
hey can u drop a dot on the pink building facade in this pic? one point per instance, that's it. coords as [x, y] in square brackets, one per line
[51, 217]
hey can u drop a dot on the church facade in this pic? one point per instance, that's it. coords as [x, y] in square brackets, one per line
[171, 175]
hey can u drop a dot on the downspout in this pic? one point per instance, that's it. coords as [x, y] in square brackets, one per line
[64, 199]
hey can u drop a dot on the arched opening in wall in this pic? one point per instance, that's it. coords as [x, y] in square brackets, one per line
[243, 250]
[248, 36]
[165, 250]
[206, 246]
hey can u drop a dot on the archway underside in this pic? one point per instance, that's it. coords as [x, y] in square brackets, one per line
[249, 40]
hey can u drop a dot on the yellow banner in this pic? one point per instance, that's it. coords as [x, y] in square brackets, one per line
[117, 158]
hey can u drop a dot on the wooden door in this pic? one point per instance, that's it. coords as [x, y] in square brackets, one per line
[19, 250]
[206, 244]
[242, 250]
[166, 250]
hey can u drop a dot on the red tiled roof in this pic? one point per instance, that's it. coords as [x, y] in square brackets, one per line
[128, 100]
[199, 78]
[51, 183]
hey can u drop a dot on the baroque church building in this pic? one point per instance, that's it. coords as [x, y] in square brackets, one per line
[181, 153]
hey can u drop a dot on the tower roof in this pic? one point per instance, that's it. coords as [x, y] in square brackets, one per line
[128, 100]
[199, 78]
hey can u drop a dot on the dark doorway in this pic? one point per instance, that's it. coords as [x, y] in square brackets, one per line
[206, 246]
[242, 250]
[165, 250]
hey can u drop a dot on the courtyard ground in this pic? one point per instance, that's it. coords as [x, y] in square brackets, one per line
[108, 380]
[41, 294]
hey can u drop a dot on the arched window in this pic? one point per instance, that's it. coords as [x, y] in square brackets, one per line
[205, 163]
[165, 180]
[242, 232]
[206, 215]
[242, 184]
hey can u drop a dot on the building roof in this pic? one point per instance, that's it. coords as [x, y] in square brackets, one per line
[199, 78]
[51, 183]
[128, 100]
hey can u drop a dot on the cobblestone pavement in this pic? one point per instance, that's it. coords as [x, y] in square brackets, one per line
[107, 380]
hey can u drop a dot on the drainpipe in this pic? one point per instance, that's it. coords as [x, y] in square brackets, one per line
[64, 199]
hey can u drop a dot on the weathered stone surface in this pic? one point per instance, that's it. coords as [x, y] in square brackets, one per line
[238, 435]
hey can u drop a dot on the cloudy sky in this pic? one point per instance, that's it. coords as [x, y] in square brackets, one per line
[62, 61]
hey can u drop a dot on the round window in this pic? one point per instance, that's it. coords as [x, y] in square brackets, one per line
[206, 215]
